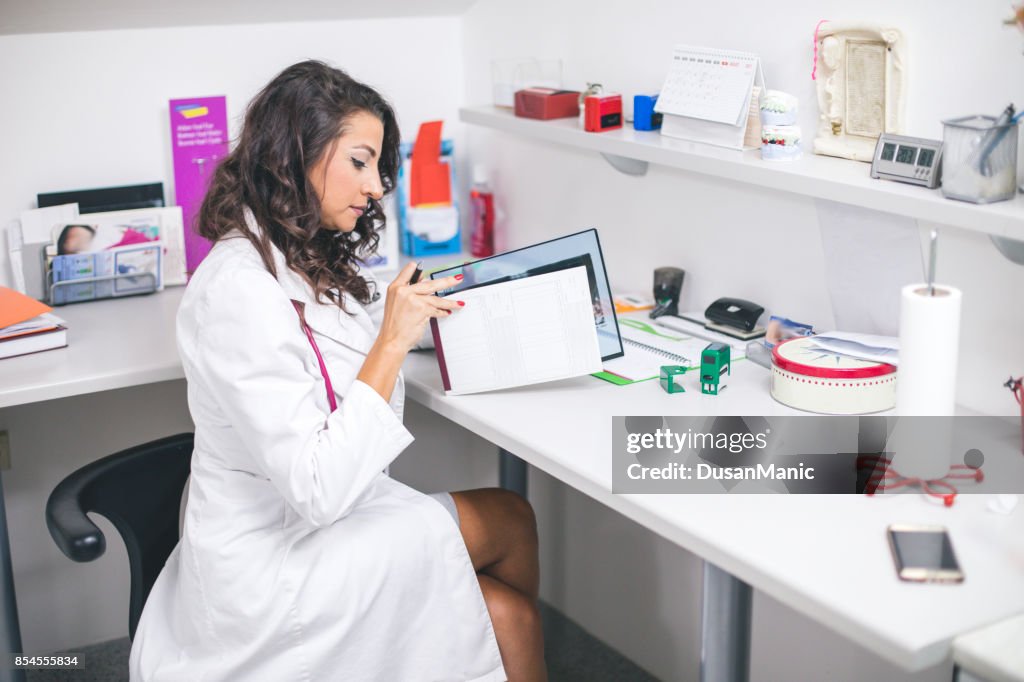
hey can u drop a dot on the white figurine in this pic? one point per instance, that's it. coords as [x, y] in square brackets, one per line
[861, 87]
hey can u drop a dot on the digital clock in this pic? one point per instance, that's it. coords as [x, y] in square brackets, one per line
[908, 159]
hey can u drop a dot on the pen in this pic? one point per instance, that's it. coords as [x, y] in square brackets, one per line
[992, 139]
[417, 273]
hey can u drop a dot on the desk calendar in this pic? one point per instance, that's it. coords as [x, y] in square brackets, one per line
[709, 84]
[707, 94]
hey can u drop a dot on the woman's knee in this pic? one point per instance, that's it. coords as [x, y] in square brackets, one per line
[495, 525]
[519, 513]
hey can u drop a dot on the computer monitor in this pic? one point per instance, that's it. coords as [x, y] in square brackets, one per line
[581, 248]
[107, 198]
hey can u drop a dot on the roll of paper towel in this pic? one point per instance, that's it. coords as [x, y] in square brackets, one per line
[926, 381]
[929, 343]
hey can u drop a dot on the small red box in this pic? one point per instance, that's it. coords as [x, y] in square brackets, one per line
[547, 103]
[602, 112]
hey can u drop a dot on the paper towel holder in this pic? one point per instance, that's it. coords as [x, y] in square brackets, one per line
[1011, 249]
[933, 249]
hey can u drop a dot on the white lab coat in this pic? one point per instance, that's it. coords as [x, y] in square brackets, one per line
[299, 558]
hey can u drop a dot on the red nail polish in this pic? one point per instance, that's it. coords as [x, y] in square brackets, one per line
[461, 302]
[458, 278]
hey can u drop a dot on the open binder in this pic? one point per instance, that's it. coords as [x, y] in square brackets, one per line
[518, 332]
[560, 253]
[533, 314]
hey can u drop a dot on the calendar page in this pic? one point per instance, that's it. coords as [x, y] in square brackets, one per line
[709, 84]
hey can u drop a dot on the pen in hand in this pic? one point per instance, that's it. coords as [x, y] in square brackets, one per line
[417, 273]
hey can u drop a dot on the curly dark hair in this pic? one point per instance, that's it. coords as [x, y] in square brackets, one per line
[289, 126]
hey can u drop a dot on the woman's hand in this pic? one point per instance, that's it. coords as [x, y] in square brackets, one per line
[407, 310]
[409, 307]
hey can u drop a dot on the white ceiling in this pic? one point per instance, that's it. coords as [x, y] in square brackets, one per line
[52, 16]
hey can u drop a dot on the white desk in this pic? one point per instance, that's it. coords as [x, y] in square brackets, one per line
[98, 358]
[112, 344]
[823, 556]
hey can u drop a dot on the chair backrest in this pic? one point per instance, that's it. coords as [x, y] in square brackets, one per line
[139, 491]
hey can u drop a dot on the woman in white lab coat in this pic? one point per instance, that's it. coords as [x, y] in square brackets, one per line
[300, 559]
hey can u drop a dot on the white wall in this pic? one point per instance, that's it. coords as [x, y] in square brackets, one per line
[90, 110]
[638, 592]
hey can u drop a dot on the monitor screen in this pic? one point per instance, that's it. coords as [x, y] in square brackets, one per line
[581, 248]
[107, 198]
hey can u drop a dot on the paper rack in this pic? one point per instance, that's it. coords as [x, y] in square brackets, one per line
[90, 289]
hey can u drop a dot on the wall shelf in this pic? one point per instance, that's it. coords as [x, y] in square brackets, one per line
[821, 177]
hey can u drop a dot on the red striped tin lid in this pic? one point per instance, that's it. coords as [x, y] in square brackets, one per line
[797, 356]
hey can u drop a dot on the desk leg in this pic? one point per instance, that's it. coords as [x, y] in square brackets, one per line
[511, 472]
[961, 675]
[725, 627]
[10, 631]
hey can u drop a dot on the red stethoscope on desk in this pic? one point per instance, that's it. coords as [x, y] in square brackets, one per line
[884, 478]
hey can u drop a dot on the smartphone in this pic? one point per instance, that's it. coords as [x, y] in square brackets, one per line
[923, 554]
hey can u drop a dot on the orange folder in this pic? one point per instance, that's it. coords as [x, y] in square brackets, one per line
[429, 177]
[16, 307]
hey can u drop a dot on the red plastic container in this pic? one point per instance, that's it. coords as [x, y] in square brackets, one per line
[481, 200]
[602, 112]
[547, 103]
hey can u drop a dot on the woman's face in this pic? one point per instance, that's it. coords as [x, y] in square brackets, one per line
[347, 176]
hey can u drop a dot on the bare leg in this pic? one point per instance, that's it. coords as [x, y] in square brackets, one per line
[500, 532]
[516, 622]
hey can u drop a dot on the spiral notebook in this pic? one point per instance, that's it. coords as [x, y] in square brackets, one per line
[648, 348]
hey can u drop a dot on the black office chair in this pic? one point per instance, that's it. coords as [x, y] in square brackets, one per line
[139, 491]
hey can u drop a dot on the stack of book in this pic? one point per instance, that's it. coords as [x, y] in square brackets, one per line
[28, 326]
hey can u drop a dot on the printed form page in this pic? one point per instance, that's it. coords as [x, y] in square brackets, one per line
[520, 332]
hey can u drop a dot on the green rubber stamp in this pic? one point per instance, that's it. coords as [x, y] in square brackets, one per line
[714, 367]
[671, 378]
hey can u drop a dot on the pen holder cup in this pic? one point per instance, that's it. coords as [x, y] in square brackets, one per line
[979, 159]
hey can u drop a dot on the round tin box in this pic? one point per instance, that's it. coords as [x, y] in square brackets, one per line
[816, 380]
